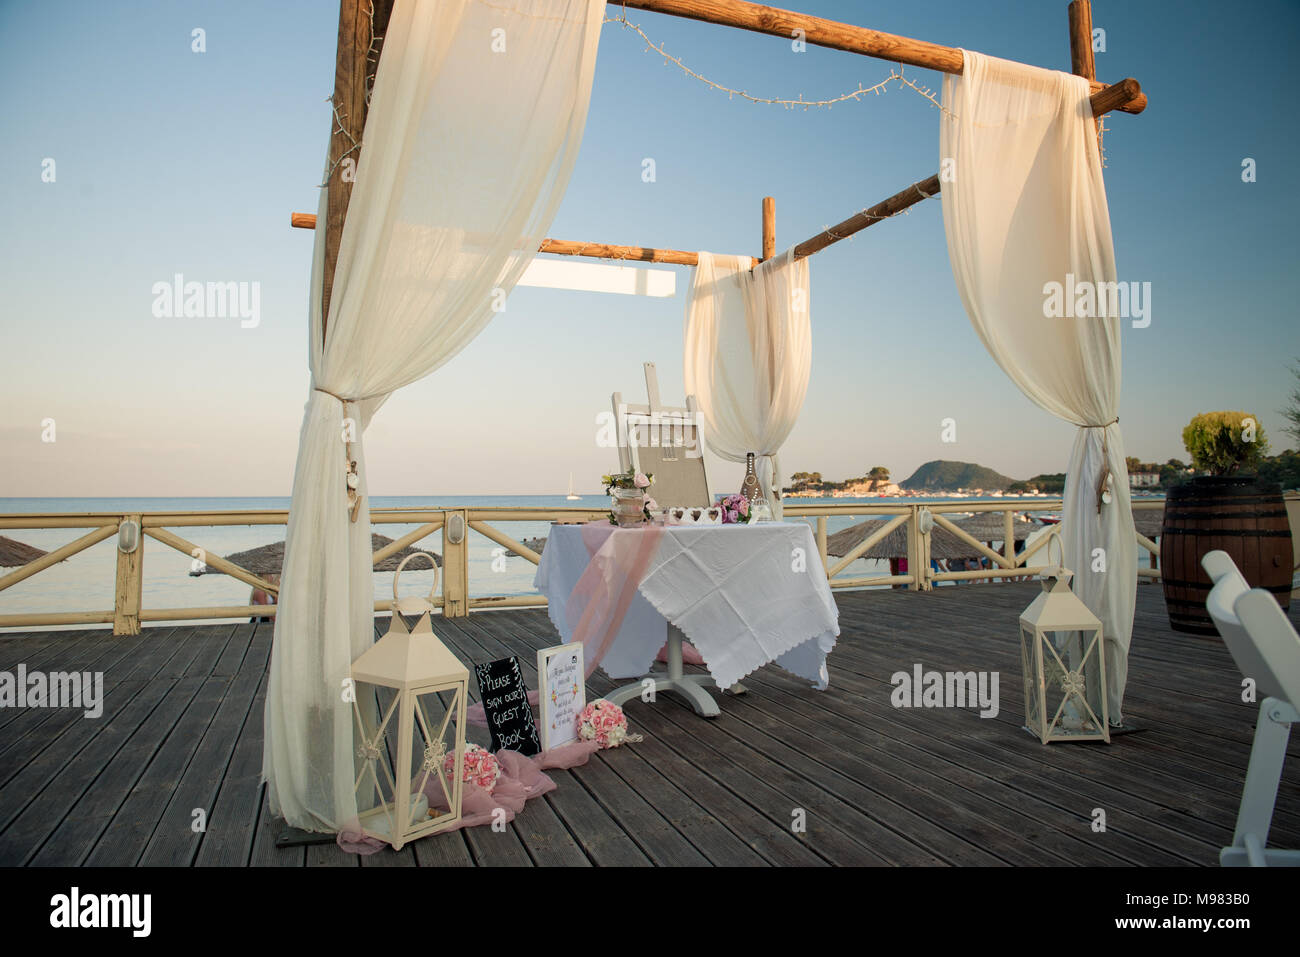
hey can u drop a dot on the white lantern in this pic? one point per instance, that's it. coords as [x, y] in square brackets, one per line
[409, 703]
[1064, 665]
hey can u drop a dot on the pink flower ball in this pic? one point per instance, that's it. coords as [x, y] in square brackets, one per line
[641, 481]
[481, 767]
[603, 722]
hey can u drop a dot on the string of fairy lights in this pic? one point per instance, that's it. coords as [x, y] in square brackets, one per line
[896, 78]
[372, 57]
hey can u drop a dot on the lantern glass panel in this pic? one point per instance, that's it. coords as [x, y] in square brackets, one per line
[1028, 668]
[1072, 686]
[384, 715]
[434, 759]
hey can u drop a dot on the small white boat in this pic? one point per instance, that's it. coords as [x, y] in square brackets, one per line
[572, 496]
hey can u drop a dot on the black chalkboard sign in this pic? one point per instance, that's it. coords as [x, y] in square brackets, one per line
[505, 705]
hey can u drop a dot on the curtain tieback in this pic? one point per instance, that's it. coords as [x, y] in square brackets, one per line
[352, 480]
[1104, 479]
[776, 478]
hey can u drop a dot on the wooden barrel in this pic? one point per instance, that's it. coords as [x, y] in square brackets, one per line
[1242, 516]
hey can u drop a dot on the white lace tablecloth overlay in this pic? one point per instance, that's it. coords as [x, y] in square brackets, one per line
[744, 595]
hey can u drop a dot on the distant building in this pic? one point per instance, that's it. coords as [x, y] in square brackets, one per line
[1143, 479]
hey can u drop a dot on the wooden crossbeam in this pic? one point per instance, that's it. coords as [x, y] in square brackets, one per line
[566, 247]
[852, 39]
[868, 217]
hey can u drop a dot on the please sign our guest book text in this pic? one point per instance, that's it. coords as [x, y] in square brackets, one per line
[505, 706]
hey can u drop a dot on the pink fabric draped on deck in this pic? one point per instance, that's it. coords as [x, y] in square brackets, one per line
[522, 779]
[601, 597]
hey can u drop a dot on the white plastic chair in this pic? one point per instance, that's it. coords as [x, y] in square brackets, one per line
[1266, 648]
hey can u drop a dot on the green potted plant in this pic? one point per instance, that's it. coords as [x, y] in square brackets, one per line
[1225, 506]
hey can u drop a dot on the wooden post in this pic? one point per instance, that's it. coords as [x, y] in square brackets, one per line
[353, 67]
[1009, 537]
[914, 548]
[821, 540]
[769, 227]
[1083, 62]
[455, 564]
[129, 585]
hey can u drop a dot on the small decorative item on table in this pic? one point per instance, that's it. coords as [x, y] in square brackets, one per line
[630, 502]
[605, 723]
[681, 515]
[751, 491]
[735, 510]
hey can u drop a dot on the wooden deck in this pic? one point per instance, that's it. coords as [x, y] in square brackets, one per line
[182, 730]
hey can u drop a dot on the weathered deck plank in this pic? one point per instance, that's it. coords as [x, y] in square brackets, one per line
[182, 729]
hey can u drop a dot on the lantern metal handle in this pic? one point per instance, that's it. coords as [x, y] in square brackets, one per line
[397, 602]
[1052, 536]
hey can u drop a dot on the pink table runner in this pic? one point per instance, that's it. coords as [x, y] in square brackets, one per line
[744, 595]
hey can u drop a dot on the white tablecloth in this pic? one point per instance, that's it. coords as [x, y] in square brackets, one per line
[744, 595]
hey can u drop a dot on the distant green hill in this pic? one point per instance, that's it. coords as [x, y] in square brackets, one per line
[949, 476]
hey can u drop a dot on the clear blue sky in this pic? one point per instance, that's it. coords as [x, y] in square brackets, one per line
[171, 161]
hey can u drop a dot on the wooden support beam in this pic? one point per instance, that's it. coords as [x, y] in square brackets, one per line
[1083, 62]
[860, 221]
[353, 68]
[769, 227]
[1126, 95]
[835, 36]
[565, 247]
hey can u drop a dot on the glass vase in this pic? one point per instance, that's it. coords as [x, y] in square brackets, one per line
[628, 506]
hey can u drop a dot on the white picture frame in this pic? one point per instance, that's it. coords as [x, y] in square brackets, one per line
[561, 693]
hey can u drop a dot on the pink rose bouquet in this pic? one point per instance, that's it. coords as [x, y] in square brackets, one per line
[481, 767]
[604, 722]
[735, 509]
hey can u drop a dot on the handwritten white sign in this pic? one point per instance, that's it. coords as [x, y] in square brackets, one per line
[561, 691]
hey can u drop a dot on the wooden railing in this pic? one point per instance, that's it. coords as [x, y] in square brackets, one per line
[918, 519]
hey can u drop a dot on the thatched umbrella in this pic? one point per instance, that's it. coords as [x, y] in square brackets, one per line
[536, 544]
[13, 553]
[1149, 521]
[269, 559]
[893, 545]
[991, 527]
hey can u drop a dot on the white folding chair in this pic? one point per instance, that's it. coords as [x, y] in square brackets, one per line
[1266, 649]
[663, 441]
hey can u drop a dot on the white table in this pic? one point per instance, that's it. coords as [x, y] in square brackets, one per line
[744, 595]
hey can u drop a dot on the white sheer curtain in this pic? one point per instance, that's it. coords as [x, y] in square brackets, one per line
[748, 354]
[1026, 208]
[469, 144]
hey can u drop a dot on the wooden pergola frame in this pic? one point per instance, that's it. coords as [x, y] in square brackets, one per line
[360, 21]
